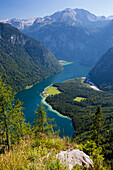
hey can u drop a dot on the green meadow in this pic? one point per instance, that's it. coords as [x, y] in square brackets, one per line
[52, 90]
[79, 99]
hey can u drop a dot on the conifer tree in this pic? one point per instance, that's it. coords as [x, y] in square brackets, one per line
[97, 126]
[19, 127]
[12, 123]
[42, 123]
[6, 98]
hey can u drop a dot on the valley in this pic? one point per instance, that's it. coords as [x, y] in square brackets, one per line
[57, 68]
[78, 101]
[31, 97]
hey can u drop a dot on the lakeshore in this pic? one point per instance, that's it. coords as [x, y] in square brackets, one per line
[47, 92]
[64, 63]
[31, 97]
[28, 87]
[49, 106]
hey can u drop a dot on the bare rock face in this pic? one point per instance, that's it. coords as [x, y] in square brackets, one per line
[73, 157]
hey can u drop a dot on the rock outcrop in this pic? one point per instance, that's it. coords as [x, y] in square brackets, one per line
[74, 157]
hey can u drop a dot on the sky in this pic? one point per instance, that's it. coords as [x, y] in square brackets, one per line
[22, 9]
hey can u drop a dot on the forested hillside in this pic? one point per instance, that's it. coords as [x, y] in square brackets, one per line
[102, 73]
[23, 146]
[24, 61]
[79, 102]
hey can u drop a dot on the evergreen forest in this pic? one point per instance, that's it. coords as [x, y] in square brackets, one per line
[23, 146]
[82, 111]
[24, 61]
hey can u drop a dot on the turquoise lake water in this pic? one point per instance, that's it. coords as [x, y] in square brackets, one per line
[31, 97]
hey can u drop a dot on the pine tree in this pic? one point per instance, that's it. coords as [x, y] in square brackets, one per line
[19, 127]
[12, 123]
[6, 98]
[97, 124]
[42, 123]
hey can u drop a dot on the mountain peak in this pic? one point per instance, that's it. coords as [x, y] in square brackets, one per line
[68, 15]
[19, 23]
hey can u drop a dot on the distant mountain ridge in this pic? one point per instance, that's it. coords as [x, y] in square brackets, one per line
[23, 60]
[102, 73]
[70, 16]
[72, 34]
[19, 23]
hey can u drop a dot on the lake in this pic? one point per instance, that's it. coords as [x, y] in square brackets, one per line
[31, 97]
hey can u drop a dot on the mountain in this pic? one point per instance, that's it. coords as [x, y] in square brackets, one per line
[73, 16]
[19, 23]
[71, 34]
[102, 73]
[70, 16]
[100, 44]
[24, 60]
[66, 42]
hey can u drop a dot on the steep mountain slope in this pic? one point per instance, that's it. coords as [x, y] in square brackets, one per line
[102, 73]
[69, 34]
[24, 60]
[100, 44]
[66, 42]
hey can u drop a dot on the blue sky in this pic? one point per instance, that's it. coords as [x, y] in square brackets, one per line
[39, 8]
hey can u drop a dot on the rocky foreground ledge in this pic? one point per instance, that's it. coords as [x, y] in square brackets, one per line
[74, 157]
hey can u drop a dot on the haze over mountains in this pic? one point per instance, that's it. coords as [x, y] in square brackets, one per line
[70, 16]
[72, 34]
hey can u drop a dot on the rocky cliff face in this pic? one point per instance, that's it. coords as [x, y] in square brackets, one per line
[71, 34]
[66, 42]
[102, 73]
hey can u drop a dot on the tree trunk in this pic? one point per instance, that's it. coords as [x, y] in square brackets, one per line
[6, 127]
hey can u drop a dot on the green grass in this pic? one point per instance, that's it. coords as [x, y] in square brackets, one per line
[52, 90]
[79, 99]
[31, 153]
